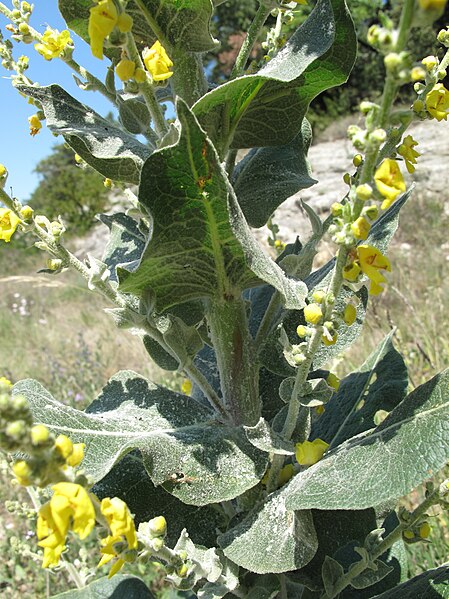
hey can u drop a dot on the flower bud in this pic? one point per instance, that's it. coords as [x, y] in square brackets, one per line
[39, 434]
[430, 62]
[337, 209]
[347, 178]
[125, 69]
[424, 530]
[301, 331]
[64, 446]
[107, 183]
[364, 192]
[313, 313]
[157, 544]
[378, 135]
[54, 264]
[392, 62]
[158, 526]
[182, 571]
[333, 381]
[443, 37]
[24, 28]
[441, 73]
[22, 472]
[417, 74]
[350, 314]
[27, 213]
[418, 106]
[318, 296]
[360, 228]
[357, 160]
[16, 430]
[5, 384]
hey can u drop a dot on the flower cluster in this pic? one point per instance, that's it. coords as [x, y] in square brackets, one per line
[53, 43]
[70, 508]
[122, 542]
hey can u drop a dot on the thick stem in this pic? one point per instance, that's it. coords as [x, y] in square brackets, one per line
[233, 345]
[188, 79]
[250, 39]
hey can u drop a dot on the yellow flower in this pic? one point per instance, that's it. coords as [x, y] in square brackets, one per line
[125, 22]
[389, 181]
[373, 262]
[53, 43]
[186, 387]
[286, 474]
[8, 224]
[3, 171]
[432, 4]
[35, 124]
[350, 314]
[22, 472]
[333, 381]
[122, 527]
[157, 62]
[125, 69]
[69, 508]
[351, 271]
[72, 453]
[360, 228]
[102, 20]
[407, 151]
[4, 382]
[313, 313]
[332, 340]
[437, 102]
[310, 452]
[39, 434]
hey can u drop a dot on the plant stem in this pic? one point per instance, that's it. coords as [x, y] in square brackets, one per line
[147, 89]
[250, 39]
[188, 81]
[154, 25]
[234, 348]
[303, 370]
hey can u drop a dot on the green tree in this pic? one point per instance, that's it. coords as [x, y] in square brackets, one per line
[75, 192]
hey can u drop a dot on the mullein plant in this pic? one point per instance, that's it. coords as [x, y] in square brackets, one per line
[265, 476]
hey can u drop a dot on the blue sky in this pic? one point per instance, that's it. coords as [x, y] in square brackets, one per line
[20, 152]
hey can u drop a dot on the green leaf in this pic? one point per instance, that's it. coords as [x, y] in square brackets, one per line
[111, 151]
[381, 384]
[135, 116]
[129, 480]
[266, 439]
[380, 466]
[334, 529]
[119, 585]
[433, 584]
[271, 538]
[198, 460]
[264, 587]
[159, 355]
[186, 183]
[331, 572]
[185, 23]
[371, 577]
[266, 177]
[268, 108]
[125, 244]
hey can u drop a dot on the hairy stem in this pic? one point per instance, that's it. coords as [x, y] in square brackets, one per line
[249, 41]
[228, 324]
[303, 370]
